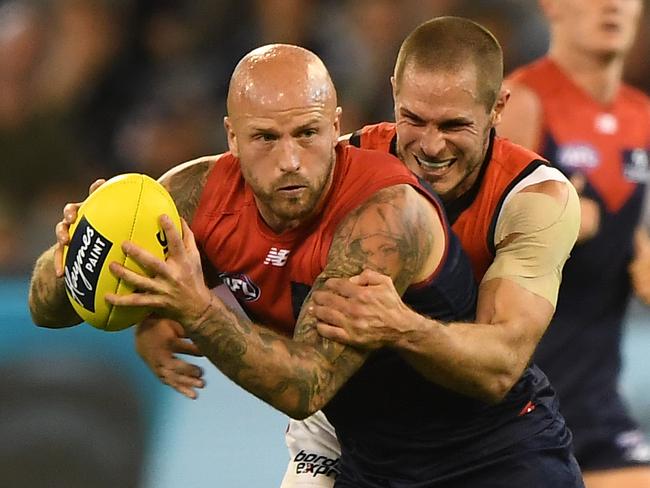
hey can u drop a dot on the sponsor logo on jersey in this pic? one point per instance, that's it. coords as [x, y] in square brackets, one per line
[636, 165]
[241, 286]
[83, 263]
[277, 257]
[578, 156]
[312, 464]
[606, 124]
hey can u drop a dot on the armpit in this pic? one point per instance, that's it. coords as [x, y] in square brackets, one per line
[534, 237]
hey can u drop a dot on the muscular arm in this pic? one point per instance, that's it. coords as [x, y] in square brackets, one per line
[48, 302]
[393, 232]
[516, 301]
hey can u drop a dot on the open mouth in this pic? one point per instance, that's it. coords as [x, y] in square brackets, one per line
[428, 165]
[291, 189]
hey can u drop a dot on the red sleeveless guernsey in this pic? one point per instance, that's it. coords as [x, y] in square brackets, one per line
[263, 268]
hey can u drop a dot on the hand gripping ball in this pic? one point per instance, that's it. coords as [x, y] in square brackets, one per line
[126, 207]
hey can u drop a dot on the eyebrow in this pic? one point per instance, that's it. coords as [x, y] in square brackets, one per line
[408, 113]
[307, 125]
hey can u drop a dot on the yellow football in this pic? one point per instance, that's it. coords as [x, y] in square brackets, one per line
[126, 207]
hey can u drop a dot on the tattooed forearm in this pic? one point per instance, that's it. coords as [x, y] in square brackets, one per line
[292, 377]
[48, 303]
[185, 184]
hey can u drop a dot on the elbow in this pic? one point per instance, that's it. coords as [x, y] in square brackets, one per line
[48, 321]
[302, 412]
[497, 387]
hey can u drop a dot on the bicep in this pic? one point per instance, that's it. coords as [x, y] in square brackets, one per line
[392, 233]
[521, 120]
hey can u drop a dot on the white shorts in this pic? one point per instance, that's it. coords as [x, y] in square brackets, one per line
[314, 453]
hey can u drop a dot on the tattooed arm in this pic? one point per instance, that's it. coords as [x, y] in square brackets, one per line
[396, 232]
[48, 302]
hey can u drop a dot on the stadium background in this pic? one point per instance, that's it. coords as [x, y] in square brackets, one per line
[92, 88]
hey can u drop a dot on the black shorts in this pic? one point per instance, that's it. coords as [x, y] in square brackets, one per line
[543, 460]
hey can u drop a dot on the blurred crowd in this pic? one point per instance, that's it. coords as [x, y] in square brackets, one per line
[93, 88]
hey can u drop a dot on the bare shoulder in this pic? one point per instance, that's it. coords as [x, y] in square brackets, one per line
[522, 116]
[393, 232]
[185, 183]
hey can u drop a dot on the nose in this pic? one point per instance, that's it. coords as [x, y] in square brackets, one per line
[289, 156]
[432, 141]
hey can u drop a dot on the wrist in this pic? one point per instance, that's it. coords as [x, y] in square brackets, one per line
[195, 323]
[414, 331]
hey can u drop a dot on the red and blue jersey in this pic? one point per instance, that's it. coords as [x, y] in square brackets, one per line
[271, 274]
[609, 145]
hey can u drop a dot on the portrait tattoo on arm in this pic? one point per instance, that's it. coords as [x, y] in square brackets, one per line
[391, 233]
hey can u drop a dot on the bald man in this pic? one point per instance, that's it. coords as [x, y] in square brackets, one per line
[286, 208]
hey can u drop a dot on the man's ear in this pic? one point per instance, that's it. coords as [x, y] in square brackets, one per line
[500, 105]
[337, 124]
[232, 137]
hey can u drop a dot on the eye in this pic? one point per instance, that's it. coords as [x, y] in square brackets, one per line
[265, 137]
[454, 126]
[307, 133]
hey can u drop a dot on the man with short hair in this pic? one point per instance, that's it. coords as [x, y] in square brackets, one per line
[516, 217]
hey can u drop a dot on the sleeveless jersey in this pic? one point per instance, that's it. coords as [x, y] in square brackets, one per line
[465, 430]
[609, 145]
[270, 275]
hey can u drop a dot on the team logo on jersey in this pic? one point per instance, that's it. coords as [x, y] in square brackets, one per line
[241, 286]
[578, 156]
[636, 165]
[277, 257]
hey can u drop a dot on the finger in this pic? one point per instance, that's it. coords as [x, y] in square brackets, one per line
[151, 264]
[372, 277]
[188, 373]
[342, 286]
[335, 334]
[62, 232]
[330, 315]
[96, 184]
[136, 280]
[188, 392]
[176, 247]
[58, 260]
[330, 299]
[183, 346]
[135, 299]
[70, 212]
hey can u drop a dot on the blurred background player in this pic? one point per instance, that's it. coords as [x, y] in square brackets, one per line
[572, 107]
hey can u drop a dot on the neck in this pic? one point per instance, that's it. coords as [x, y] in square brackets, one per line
[597, 74]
